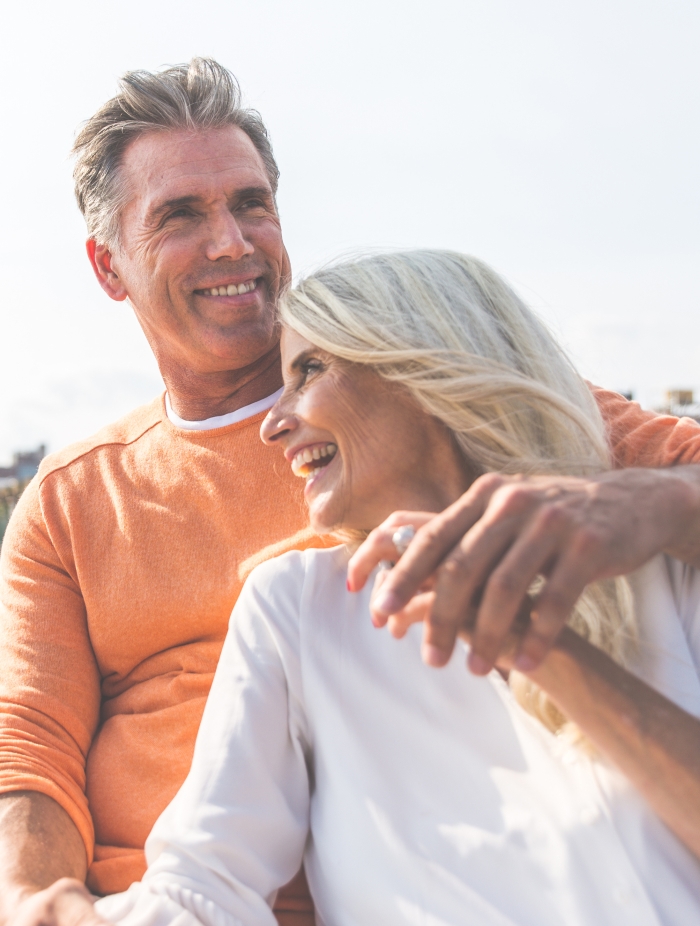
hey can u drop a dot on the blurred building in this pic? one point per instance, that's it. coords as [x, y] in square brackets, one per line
[681, 402]
[14, 478]
[24, 465]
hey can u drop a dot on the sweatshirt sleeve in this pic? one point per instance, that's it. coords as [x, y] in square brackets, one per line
[643, 438]
[236, 830]
[49, 681]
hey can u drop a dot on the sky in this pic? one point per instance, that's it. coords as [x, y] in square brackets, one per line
[557, 140]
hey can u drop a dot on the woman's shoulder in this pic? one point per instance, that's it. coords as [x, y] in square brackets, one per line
[279, 585]
[279, 591]
[297, 566]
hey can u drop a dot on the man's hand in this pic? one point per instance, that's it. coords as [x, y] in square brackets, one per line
[472, 565]
[66, 903]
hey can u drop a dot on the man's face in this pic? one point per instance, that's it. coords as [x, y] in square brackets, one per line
[201, 255]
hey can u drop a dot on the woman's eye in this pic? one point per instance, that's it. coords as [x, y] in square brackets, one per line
[310, 367]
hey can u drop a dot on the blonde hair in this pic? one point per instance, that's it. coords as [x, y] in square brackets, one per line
[448, 329]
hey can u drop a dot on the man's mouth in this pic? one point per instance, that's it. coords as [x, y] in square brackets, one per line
[229, 289]
[309, 460]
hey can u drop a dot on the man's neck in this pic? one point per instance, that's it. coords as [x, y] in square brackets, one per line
[197, 396]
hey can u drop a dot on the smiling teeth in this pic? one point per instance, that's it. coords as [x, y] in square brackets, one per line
[232, 289]
[308, 460]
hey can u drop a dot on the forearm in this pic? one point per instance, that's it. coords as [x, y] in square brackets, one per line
[39, 843]
[652, 741]
[683, 487]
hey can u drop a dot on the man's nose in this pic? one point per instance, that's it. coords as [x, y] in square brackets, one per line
[276, 424]
[227, 238]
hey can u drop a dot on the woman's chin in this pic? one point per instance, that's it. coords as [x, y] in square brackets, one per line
[324, 517]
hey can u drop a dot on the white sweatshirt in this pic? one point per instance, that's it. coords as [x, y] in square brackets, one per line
[414, 795]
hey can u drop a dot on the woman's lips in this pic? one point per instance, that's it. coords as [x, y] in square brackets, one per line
[311, 459]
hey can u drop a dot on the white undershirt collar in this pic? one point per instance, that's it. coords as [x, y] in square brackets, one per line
[220, 421]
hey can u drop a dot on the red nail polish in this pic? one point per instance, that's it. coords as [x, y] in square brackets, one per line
[347, 585]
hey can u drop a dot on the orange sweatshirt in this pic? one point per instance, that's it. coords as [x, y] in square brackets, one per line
[118, 573]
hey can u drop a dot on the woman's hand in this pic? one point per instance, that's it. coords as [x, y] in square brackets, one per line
[486, 549]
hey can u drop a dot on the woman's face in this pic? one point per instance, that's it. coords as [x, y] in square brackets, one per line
[362, 444]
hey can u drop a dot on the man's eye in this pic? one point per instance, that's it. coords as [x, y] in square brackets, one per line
[177, 214]
[251, 205]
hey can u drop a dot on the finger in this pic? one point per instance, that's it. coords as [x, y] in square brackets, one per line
[379, 580]
[415, 612]
[554, 605]
[460, 580]
[433, 543]
[379, 546]
[507, 586]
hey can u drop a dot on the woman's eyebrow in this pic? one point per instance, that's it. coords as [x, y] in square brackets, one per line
[300, 358]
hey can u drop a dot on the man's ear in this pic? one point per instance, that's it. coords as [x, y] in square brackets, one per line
[101, 259]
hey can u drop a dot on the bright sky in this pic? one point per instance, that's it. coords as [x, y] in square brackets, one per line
[557, 140]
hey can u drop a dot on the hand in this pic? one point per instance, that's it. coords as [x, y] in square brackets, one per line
[471, 566]
[67, 902]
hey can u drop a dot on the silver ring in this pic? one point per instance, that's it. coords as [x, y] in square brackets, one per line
[402, 537]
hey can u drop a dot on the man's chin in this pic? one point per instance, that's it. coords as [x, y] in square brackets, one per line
[238, 349]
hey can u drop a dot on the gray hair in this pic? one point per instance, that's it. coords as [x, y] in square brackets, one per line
[199, 96]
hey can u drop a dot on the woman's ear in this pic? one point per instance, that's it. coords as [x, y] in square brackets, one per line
[100, 257]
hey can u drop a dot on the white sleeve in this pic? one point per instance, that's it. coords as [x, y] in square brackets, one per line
[236, 830]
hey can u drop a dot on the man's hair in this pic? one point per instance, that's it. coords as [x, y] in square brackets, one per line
[199, 96]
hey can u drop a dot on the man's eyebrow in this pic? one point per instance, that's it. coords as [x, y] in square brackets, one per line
[262, 192]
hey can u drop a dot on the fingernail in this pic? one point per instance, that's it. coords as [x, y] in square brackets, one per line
[386, 603]
[347, 585]
[477, 665]
[432, 656]
[524, 663]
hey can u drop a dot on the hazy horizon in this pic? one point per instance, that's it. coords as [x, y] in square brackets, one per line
[558, 142]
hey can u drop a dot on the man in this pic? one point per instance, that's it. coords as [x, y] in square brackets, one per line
[127, 552]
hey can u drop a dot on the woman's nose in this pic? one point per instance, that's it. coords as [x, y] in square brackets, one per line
[277, 424]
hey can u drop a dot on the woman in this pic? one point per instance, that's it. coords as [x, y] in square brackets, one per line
[417, 796]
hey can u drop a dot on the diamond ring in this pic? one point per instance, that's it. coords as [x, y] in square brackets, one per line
[402, 537]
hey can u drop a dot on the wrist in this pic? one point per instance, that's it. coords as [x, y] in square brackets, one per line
[561, 665]
[683, 489]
